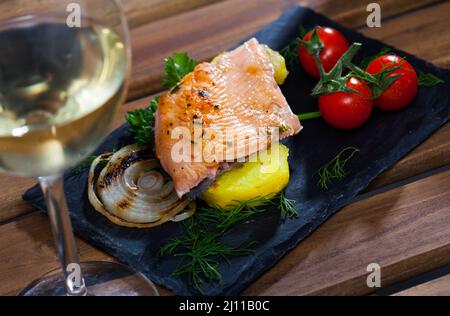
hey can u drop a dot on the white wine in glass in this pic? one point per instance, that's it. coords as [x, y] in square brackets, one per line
[61, 83]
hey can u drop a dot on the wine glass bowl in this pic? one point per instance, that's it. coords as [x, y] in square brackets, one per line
[64, 72]
[60, 88]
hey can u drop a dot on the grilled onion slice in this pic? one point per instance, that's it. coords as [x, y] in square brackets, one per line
[132, 191]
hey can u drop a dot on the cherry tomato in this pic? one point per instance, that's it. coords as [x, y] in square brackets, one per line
[400, 93]
[335, 45]
[347, 110]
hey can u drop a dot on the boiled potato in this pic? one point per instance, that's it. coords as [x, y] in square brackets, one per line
[218, 56]
[278, 62]
[279, 65]
[266, 176]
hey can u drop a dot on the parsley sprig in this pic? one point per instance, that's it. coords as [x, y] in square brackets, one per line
[141, 120]
[141, 123]
[177, 66]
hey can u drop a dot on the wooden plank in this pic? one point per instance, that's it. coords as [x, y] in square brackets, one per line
[436, 287]
[424, 33]
[354, 14]
[333, 260]
[160, 27]
[234, 20]
[432, 154]
[405, 231]
[11, 203]
[37, 255]
[139, 12]
[438, 252]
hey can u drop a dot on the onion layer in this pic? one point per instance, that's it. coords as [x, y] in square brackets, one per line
[132, 191]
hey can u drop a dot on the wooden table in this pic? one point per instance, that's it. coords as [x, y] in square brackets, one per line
[402, 222]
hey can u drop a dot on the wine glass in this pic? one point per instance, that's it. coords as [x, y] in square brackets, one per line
[64, 72]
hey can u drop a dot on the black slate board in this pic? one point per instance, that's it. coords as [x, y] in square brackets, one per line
[383, 140]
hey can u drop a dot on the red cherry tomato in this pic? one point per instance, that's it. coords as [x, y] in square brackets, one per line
[347, 110]
[335, 45]
[399, 94]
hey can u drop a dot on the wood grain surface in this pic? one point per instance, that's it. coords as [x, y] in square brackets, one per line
[432, 154]
[139, 12]
[436, 287]
[405, 229]
[234, 21]
[383, 229]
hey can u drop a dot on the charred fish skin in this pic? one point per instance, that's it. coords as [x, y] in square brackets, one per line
[235, 93]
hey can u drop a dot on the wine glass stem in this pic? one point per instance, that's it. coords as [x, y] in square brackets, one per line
[53, 190]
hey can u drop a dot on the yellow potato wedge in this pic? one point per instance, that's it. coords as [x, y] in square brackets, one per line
[265, 177]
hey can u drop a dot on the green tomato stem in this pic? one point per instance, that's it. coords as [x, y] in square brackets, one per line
[309, 115]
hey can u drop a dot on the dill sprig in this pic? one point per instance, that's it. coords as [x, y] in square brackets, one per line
[335, 169]
[428, 79]
[290, 53]
[367, 60]
[202, 249]
[224, 219]
[287, 207]
[85, 163]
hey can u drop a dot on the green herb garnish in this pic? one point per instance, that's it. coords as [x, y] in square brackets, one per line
[335, 169]
[141, 121]
[366, 61]
[202, 248]
[428, 80]
[224, 219]
[287, 207]
[201, 251]
[85, 163]
[302, 31]
[177, 66]
[290, 52]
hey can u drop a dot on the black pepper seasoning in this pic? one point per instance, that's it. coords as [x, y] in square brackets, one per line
[203, 93]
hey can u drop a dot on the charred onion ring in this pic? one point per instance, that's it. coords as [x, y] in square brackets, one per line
[131, 190]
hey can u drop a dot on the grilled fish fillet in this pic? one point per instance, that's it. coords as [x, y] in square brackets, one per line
[236, 92]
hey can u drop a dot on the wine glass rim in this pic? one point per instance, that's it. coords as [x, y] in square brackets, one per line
[20, 19]
[33, 18]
